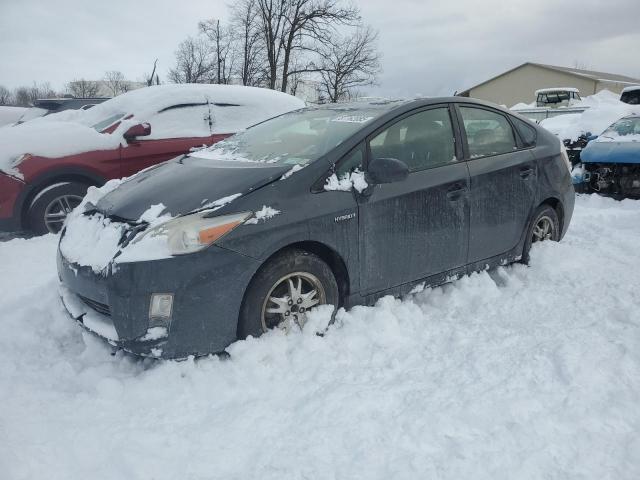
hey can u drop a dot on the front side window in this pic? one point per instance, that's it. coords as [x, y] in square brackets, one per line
[488, 132]
[181, 121]
[422, 140]
[107, 122]
[527, 133]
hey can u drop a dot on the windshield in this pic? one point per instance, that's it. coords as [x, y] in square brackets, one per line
[296, 138]
[100, 126]
[622, 128]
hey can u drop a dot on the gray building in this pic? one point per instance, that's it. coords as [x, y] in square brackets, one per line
[519, 84]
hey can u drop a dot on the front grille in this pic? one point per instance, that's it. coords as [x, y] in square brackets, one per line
[97, 306]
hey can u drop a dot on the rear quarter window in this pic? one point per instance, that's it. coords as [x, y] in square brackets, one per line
[527, 133]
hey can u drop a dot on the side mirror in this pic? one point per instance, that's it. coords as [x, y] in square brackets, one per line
[140, 130]
[387, 170]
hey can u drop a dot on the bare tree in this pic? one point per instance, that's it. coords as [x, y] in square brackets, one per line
[194, 63]
[348, 63]
[115, 82]
[288, 26]
[5, 96]
[222, 48]
[22, 97]
[82, 88]
[249, 47]
[25, 96]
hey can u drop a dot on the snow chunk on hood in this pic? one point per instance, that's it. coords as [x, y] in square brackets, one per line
[51, 139]
[91, 240]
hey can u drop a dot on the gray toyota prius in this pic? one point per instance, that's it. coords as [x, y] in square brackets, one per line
[337, 204]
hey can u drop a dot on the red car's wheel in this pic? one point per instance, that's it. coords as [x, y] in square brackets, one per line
[51, 206]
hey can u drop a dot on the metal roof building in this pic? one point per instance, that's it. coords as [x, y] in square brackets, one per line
[519, 84]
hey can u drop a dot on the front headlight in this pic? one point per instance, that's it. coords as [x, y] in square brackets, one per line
[191, 233]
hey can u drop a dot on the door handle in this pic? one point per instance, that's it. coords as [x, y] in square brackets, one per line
[526, 172]
[456, 191]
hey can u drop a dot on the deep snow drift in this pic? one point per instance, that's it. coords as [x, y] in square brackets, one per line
[521, 373]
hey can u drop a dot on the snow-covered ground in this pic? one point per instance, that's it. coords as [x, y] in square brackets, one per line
[521, 373]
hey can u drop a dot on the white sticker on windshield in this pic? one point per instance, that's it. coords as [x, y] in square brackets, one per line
[351, 119]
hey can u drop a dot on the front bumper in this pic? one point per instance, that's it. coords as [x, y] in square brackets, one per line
[207, 289]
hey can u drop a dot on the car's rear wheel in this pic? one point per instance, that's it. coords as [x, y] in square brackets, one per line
[283, 291]
[52, 204]
[545, 226]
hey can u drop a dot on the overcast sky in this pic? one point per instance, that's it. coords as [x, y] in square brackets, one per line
[428, 47]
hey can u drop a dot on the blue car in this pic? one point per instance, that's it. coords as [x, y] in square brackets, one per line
[611, 162]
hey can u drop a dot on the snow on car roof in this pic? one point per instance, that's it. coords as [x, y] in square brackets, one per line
[70, 132]
[632, 88]
[557, 89]
[147, 101]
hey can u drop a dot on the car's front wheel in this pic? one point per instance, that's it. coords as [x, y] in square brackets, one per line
[545, 226]
[284, 290]
[52, 204]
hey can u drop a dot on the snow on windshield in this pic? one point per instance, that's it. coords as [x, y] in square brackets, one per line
[624, 130]
[297, 138]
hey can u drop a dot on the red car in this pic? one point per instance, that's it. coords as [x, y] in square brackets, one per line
[47, 164]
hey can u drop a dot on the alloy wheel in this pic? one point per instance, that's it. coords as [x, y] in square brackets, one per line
[289, 300]
[57, 211]
[543, 230]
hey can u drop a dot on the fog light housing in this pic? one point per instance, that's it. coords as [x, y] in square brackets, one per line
[160, 309]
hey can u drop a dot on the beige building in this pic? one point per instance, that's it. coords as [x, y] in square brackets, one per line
[519, 84]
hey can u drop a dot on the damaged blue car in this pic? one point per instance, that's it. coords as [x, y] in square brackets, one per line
[611, 162]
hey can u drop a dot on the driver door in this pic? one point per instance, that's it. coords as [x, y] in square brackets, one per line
[412, 229]
[174, 131]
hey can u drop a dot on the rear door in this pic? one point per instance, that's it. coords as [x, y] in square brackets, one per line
[418, 227]
[174, 131]
[503, 175]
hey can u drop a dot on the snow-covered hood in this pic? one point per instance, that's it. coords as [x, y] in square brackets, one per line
[51, 139]
[611, 152]
[187, 184]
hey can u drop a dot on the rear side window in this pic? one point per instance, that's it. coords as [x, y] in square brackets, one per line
[527, 133]
[422, 140]
[488, 132]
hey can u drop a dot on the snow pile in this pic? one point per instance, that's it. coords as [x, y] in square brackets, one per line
[521, 373]
[604, 108]
[263, 214]
[346, 182]
[10, 115]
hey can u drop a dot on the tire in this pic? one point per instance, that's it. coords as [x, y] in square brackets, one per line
[52, 204]
[547, 215]
[272, 281]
